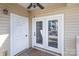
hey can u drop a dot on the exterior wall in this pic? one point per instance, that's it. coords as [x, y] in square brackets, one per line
[71, 28]
[15, 8]
[71, 23]
[4, 34]
[5, 24]
[30, 29]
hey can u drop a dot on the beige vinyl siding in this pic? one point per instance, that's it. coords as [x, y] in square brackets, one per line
[14, 8]
[4, 30]
[71, 28]
[30, 29]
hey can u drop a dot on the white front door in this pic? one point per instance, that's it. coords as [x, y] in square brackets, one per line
[48, 32]
[19, 33]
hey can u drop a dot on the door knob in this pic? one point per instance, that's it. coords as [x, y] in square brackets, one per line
[34, 33]
[26, 35]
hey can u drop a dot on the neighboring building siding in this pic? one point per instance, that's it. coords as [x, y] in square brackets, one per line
[4, 31]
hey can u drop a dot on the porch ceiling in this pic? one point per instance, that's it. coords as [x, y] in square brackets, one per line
[25, 5]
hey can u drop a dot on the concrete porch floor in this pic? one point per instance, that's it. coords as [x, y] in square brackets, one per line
[33, 52]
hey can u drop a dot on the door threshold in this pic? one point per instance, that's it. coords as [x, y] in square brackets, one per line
[48, 51]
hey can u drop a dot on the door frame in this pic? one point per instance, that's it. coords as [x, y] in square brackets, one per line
[62, 15]
[11, 31]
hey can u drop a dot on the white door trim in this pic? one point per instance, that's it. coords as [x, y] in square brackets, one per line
[62, 48]
[11, 31]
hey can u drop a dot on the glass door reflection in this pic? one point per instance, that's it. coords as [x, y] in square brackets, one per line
[53, 33]
[39, 37]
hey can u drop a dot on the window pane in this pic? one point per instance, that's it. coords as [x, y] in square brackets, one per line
[39, 37]
[53, 33]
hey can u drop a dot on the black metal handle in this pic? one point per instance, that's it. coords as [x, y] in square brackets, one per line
[26, 35]
[34, 33]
